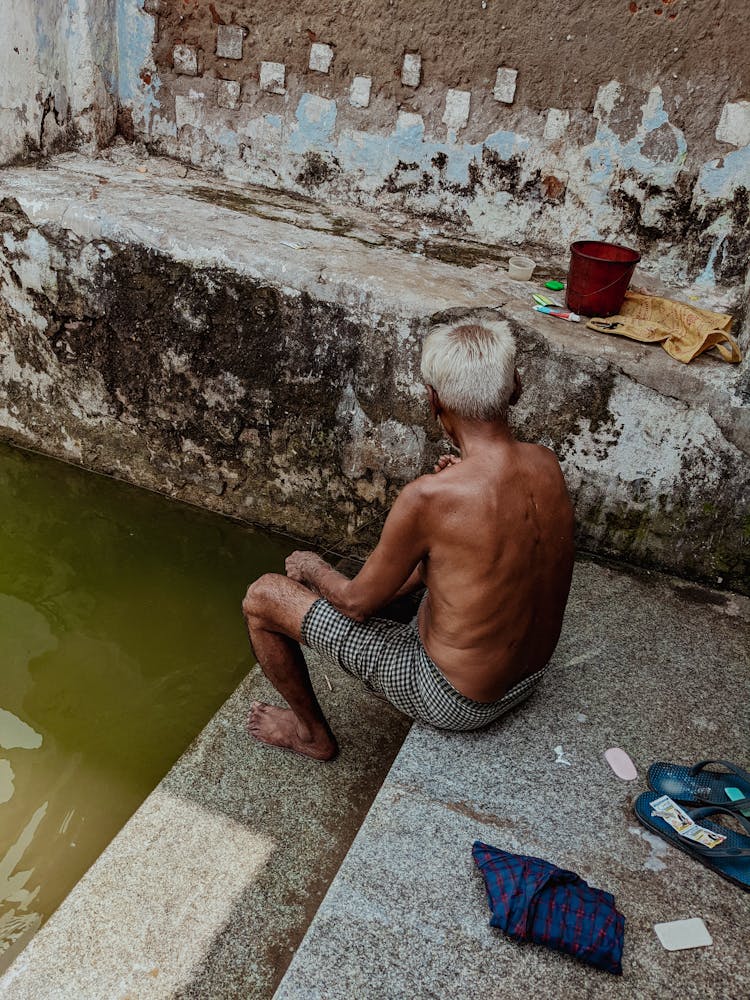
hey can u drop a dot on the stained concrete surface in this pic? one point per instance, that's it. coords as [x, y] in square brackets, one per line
[58, 60]
[207, 890]
[255, 354]
[650, 664]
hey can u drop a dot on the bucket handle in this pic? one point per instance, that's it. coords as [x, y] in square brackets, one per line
[586, 295]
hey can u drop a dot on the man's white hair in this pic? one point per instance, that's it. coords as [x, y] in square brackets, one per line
[471, 366]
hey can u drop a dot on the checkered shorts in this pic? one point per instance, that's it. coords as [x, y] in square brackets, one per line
[391, 661]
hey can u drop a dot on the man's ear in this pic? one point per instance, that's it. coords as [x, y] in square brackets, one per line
[435, 404]
[516, 394]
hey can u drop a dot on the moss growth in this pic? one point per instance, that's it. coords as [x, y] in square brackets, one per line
[228, 199]
[462, 253]
[317, 170]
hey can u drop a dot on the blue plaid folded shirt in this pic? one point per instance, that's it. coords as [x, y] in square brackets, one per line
[534, 900]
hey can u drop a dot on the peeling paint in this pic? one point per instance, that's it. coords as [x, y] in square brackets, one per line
[624, 175]
[135, 37]
[316, 119]
[624, 170]
[57, 76]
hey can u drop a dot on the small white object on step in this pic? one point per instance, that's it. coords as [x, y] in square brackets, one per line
[677, 935]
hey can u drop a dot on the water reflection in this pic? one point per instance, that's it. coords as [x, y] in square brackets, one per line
[120, 635]
[6, 781]
[14, 732]
[17, 921]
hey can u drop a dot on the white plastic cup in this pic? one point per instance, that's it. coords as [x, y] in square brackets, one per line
[520, 268]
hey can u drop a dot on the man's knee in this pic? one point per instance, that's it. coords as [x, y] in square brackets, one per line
[260, 597]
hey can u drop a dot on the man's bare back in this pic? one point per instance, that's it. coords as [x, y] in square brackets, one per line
[499, 566]
[491, 536]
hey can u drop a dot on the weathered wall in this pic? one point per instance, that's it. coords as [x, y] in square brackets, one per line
[193, 349]
[527, 123]
[58, 76]
[520, 124]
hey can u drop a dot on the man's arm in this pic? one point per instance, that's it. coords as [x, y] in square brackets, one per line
[389, 568]
[415, 581]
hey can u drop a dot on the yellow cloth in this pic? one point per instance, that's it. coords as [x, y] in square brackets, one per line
[684, 331]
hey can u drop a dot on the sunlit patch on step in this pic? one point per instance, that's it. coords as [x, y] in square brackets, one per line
[173, 877]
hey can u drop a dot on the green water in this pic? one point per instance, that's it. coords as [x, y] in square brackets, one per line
[120, 635]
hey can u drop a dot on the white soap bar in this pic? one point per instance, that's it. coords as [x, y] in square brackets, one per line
[679, 934]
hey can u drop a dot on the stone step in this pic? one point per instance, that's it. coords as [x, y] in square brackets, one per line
[256, 353]
[208, 889]
[645, 663]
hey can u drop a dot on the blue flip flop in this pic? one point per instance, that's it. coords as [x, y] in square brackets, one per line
[730, 859]
[697, 785]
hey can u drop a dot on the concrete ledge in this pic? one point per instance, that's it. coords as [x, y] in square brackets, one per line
[210, 886]
[256, 354]
[644, 663]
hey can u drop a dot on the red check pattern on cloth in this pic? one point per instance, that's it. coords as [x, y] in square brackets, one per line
[534, 900]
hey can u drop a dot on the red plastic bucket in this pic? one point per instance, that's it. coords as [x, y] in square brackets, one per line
[598, 277]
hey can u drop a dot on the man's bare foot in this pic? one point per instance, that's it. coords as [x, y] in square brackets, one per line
[278, 727]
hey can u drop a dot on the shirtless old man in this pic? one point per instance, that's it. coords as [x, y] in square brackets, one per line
[490, 535]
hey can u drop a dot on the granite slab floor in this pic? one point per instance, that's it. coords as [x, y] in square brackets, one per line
[650, 664]
[208, 889]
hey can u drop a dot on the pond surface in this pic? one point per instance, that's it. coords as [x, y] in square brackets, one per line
[120, 636]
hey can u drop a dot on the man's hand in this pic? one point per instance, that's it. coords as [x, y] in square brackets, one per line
[445, 461]
[301, 566]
